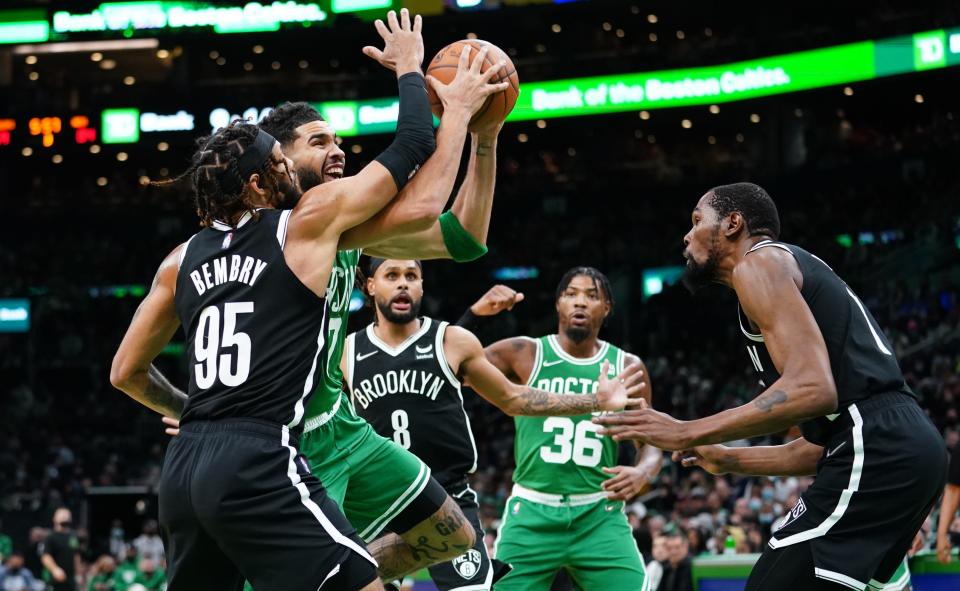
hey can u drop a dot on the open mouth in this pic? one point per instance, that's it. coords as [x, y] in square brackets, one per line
[401, 303]
[334, 171]
[579, 318]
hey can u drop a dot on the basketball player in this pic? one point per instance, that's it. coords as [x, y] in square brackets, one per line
[825, 364]
[566, 508]
[235, 496]
[354, 475]
[378, 484]
[404, 374]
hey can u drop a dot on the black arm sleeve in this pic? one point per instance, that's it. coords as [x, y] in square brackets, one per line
[471, 321]
[414, 141]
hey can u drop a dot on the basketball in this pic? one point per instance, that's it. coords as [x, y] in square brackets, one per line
[443, 67]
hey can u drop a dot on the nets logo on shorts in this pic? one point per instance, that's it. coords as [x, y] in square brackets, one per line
[799, 509]
[467, 565]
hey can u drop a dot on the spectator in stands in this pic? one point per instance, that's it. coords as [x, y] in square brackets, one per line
[6, 544]
[948, 528]
[655, 566]
[149, 545]
[102, 575]
[32, 556]
[151, 577]
[128, 570]
[60, 552]
[677, 571]
[16, 577]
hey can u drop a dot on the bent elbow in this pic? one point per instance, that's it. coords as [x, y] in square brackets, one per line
[119, 375]
[826, 399]
[425, 216]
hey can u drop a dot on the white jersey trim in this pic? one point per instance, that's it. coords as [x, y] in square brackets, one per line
[348, 350]
[308, 385]
[484, 586]
[555, 500]
[223, 226]
[183, 250]
[315, 509]
[282, 227]
[853, 486]
[451, 376]
[839, 578]
[597, 357]
[402, 502]
[537, 360]
[394, 351]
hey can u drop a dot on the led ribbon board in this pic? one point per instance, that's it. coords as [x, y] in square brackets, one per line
[153, 16]
[792, 72]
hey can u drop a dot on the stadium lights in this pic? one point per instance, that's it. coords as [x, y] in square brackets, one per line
[83, 46]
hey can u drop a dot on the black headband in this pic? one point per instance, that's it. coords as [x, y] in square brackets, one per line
[375, 263]
[251, 161]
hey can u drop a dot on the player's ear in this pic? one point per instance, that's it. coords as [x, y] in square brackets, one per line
[370, 286]
[734, 224]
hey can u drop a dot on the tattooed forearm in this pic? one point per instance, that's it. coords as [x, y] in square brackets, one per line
[768, 400]
[162, 396]
[533, 402]
[484, 149]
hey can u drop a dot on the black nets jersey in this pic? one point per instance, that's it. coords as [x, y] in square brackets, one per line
[410, 395]
[861, 359]
[255, 333]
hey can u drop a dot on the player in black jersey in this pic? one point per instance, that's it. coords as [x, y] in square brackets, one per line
[236, 499]
[405, 372]
[826, 365]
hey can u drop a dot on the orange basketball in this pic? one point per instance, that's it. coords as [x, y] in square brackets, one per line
[443, 67]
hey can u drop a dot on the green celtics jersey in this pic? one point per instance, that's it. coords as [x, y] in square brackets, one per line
[338, 309]
[564, 455]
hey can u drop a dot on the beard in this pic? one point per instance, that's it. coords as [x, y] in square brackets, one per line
[308, 179]
[698, 275]
[577, 334]
[399, 317]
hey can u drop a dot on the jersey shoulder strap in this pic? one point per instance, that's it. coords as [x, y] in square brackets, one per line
[442, 355]
[350, 351]
[539, 347]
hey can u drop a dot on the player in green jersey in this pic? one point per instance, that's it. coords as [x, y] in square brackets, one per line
[566, 508]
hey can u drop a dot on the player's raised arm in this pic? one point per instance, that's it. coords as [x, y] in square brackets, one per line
[408, 226]
[350, 201]
[152, 327]
[467, 358]
[766, 284]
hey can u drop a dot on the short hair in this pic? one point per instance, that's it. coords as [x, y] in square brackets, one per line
[282, 122]
[753, 203]
[599, 280]
[375, 263]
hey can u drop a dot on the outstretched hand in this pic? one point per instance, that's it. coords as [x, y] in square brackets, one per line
[621, 391]
[646, 426]
[470, 88]
[402, 43]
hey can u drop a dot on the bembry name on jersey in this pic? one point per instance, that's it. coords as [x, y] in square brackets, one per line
[404, 381]
[245, 269]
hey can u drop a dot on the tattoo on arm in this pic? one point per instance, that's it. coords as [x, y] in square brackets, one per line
[161, 395]
[538, 402]
[483, 149]
[768, 400]
[436, 540]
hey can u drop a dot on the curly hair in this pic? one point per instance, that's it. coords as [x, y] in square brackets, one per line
[219, 191]
[282, 122]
